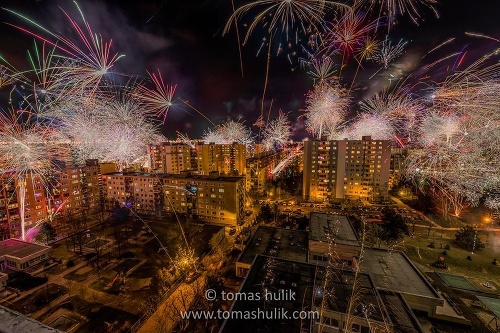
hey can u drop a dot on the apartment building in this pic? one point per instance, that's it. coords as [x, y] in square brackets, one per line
[212, 198]
[227, 159]
[397, 165]
[202, 158]
[172, 157]
[35, 204]
[71, 191]
[353, 169]
[78, 189]
[259, 170]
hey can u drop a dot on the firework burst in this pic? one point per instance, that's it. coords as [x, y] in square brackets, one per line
[229, 132]
[277, 133]
[326, 107]
[86, 59]
[29, 151]
[388, 52]
[157, 101]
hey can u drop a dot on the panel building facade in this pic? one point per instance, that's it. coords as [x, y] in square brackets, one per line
[352, 169]
[214, 199]
[201, 158]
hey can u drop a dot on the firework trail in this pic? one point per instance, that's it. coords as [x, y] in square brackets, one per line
[346, 33]
[87, 59]
[156, 101]
[284, 17]
[391, 9]
[459, 138]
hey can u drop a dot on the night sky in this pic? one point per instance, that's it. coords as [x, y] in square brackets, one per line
[183, 39]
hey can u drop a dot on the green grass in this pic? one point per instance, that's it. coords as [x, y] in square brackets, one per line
[478, 270]
[447, 222]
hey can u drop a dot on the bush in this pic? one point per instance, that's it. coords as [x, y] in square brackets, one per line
[24, 281]
[70, 263]
[440, 264]
[447, 247]
[127, 254]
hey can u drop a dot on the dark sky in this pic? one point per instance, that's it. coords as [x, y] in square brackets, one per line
[183, 38]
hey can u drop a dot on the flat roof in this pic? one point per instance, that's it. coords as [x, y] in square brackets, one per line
[393, 270]
[13, 322]
[493, 304]
[274, 274]
[326, 227]
[288, 244]
[401, 315]
[221, 178]
[341, 284]
[20, 249]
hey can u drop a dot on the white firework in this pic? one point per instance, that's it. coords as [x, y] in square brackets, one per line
[326, 107]
[388, 52]
[229, 132]
[277, 133]
[29, 152]
[375, 125]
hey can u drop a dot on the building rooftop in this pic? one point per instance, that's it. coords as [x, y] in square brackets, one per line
[311, 283]
[274, 274]
[221, 178]
[325, 227]
[393, 270]
[340, 286]
[401, 315]
[15, 322]
[276, 242]
[20, 249]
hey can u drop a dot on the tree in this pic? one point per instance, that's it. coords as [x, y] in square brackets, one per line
[393, 225]
[468, 239]
[265, 213]
[78, 230]
[47, 233]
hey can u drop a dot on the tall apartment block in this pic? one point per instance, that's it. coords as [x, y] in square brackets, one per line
[353, 169]
[398, 157]
[72, 191]
[172, 157]
[78, 189]
[259, 170]
[35, 204]
[211, 198]
[227, 159]
[203, 158]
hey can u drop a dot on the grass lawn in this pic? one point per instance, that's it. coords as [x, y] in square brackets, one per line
[478, 270]
[104, 285]
[80, 274]
[448, 222]
[145, 271]
[126, 265]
